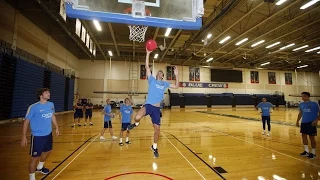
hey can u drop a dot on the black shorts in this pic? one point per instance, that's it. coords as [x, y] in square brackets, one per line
[88, 115]
[40, 144]
[124, 126]
[265, 118]
[107, 124]
[307, 128]
[78, 114]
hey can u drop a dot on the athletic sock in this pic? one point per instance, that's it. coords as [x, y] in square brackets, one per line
[155, 145]
[32, 176]
[40, 165]
[127, 139]
[306, 148]
[136, 123]
[313, 151]
[120, 140]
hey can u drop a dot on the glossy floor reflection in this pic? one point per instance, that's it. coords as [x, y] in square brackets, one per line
[191, 145]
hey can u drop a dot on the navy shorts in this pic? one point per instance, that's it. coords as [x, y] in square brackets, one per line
[307, 128]
[265, 118]
[40, 144]
[107, 124]
[154, 113]
[88, 115]
[78, 114]
[124, 126]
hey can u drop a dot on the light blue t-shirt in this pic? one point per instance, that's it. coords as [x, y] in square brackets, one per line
[265, 108]
[156, 90]
[107, 109]
[40, 117]
[310, 111]
[126, 112]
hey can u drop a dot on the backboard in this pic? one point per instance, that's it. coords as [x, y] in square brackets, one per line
[176, 14]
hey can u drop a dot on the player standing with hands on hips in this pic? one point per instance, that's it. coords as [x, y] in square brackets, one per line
[265, 114]
[309, 113]
[40, 115]
[156, 91]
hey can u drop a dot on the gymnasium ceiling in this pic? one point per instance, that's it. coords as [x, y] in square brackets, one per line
[253, 19]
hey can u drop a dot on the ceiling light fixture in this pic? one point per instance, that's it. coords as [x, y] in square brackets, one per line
[302, 47]
[272, 45]
[225, 39]
[242, 41]
[97, 24]
[257, 43]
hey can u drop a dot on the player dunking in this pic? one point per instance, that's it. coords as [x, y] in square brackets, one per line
[265, 114]
[152, 106]
[40, 116]
[309, 112]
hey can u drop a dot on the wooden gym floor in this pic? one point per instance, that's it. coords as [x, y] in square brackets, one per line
[193, 145]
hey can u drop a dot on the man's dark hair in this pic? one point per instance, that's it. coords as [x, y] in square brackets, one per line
[40, 92]
[306, 93]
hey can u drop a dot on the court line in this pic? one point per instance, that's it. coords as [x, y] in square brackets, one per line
[270, 140]
[67, 158]
[196, 154]
[250, 142]
[183, 156]
[12, 142]
[249, 118]
[74, 158]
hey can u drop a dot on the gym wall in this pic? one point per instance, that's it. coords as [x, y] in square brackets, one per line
[97, 76]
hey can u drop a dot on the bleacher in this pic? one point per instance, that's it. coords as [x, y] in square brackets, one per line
[224, 99]
[19, 80]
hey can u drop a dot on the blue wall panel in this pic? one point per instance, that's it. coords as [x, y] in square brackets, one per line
[29, 77]
[71, 94]
[57, 88]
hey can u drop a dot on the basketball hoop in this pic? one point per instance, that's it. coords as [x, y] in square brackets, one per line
[137, 32]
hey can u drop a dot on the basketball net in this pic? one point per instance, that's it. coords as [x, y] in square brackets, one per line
[137, 32]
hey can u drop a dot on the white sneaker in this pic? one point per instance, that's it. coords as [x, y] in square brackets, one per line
[114, 137]
[263, 132]
[268, 134]
[102, 138]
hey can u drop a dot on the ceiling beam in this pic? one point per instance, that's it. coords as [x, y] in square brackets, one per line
[93, 38]
[298, 52]
[251, 29]
[272, 30]
[62, 24]
[290, 32]
[155, 34]
[235, 23]
[212, 19]
[171, 43]
[113, 38]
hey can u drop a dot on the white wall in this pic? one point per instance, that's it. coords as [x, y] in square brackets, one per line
[33, 40]
[117, 80]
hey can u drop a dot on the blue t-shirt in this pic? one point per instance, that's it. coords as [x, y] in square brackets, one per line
[156, 90]
[40, 117]
[310, 111]
[126, 112]
[265, 108]
[107, 109]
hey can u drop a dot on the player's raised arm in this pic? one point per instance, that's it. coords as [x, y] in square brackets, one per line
[176, 73]
[148, 71]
